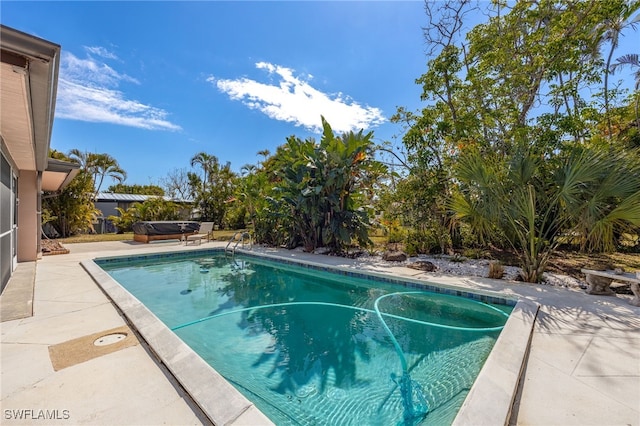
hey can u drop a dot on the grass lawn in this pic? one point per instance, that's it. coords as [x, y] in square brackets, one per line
[223, 235]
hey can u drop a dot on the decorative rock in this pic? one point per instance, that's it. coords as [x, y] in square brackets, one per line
[422, 265]
[354, 254]
[394, 256]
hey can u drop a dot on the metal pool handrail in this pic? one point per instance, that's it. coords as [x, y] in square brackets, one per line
[242, 234]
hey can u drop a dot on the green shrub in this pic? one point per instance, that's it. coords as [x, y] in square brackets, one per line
[457, 258]
[152, 209]
[421, 242]
[235, 217]
[475, 253]
[396, 233]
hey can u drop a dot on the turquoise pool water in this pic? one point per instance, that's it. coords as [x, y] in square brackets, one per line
[309, 346]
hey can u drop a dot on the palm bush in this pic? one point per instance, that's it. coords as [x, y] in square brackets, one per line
[535, 199]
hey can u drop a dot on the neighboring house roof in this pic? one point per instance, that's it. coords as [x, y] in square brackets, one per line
[132, 198]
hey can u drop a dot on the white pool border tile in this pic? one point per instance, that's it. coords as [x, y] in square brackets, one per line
[492, 395]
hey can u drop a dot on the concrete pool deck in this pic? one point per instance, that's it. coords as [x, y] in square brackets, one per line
[583, 367]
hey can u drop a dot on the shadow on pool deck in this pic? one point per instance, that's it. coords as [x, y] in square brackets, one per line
[582, 367]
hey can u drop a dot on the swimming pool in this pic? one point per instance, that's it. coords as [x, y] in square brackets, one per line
[311, 347]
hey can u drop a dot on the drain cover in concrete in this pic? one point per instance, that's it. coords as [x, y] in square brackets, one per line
[85, 348]
[109, 339]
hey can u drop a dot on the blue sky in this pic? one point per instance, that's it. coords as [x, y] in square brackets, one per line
[154, 83]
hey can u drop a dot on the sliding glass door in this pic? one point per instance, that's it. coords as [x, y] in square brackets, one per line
[8, 220]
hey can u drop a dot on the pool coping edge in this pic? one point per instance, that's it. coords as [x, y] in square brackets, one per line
[491, 398]
[219, 401]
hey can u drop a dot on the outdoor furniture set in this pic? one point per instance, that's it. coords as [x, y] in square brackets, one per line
[187, 231]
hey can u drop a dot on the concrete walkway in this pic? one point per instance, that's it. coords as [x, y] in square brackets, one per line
[583, 367]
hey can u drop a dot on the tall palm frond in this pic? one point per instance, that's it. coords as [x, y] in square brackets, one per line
[610, 31]
[632, 60]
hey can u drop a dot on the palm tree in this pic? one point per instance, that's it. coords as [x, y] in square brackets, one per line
[105, 165]
[81, 157]
[98, 166]
[248, 169]
[632, 61]
[265, 154]
[206, 161]
[215, 189]
[611, 30]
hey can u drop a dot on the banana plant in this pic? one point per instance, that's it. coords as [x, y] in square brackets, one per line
[326, 188]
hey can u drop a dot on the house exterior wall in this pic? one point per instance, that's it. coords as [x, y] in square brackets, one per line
[28, 215]
[108, 208]
[29, 67]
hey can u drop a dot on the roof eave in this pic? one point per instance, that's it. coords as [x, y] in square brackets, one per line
[43, 68]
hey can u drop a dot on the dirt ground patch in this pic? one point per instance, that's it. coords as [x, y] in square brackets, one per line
[570, 263]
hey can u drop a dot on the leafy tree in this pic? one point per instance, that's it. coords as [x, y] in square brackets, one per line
[476, 93]
[72, 210]
[255, 195]
[420, 198]
[121, 188]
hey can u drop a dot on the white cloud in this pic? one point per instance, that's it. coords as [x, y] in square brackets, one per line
[102, 105]
[101, 51]
[87, 91]
[295, 100]
[91, 72]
